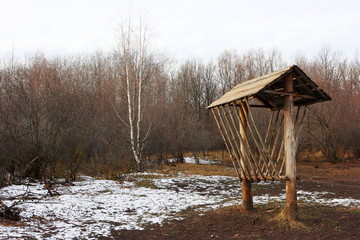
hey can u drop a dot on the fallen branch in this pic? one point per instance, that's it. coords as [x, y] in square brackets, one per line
[9, 213]
[28, 165]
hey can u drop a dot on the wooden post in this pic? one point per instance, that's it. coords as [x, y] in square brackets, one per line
[247, 199]
[290, 150]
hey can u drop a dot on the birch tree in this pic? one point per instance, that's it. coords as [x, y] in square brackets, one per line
[137, 68]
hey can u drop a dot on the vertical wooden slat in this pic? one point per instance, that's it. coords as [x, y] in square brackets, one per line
[242, 154]
[257, 138]
[252, 160]
[233, 146]
[234, 142]
[273, 146]
[238, 144]
[227, 146]
[262, 147]
[300, 127]
[245, 151]
[269, 127]
[277, 133]
[275, 127]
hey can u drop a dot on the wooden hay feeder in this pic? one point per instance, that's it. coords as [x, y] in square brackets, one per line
[269, 154]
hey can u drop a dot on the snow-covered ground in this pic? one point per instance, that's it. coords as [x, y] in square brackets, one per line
[92, 208]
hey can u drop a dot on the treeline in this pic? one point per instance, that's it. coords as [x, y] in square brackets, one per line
[129, 108]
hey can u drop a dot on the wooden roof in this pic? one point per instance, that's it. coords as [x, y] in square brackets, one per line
[269, 89]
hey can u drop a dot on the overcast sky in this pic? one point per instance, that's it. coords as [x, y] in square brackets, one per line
[183, 29]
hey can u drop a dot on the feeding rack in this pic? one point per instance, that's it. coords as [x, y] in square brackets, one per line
[266, 154]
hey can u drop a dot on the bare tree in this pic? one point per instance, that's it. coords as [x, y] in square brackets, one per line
[137, 67]
[330, 125]
[230, 70]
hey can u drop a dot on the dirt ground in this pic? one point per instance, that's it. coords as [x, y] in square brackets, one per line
[317, 221]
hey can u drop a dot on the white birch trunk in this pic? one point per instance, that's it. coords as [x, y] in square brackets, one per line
[134, 60]
[130, 113]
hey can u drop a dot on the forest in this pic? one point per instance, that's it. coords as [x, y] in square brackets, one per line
[132, 108]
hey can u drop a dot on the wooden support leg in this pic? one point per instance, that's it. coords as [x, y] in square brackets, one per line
[247, 199]
[291, 200]
[290, 149]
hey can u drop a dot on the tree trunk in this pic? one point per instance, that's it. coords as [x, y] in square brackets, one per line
[290, 151]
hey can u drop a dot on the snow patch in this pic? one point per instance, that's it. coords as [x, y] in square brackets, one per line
[191, 160]
[92, 208]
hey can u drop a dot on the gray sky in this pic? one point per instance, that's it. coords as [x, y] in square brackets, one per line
[181, 28]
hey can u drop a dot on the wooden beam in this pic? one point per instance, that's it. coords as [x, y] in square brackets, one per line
[261, 99]
[290, 149]
[279, 178]
[290, 94]
[259, 106]
[313, 85]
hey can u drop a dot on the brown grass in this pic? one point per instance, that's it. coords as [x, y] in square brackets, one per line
[221, 155]
[284, 221]
[317, 155]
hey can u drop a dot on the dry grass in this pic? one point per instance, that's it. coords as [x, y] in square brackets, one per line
[284, 221]
[146, 184]
[317, 155]
[221, 155]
